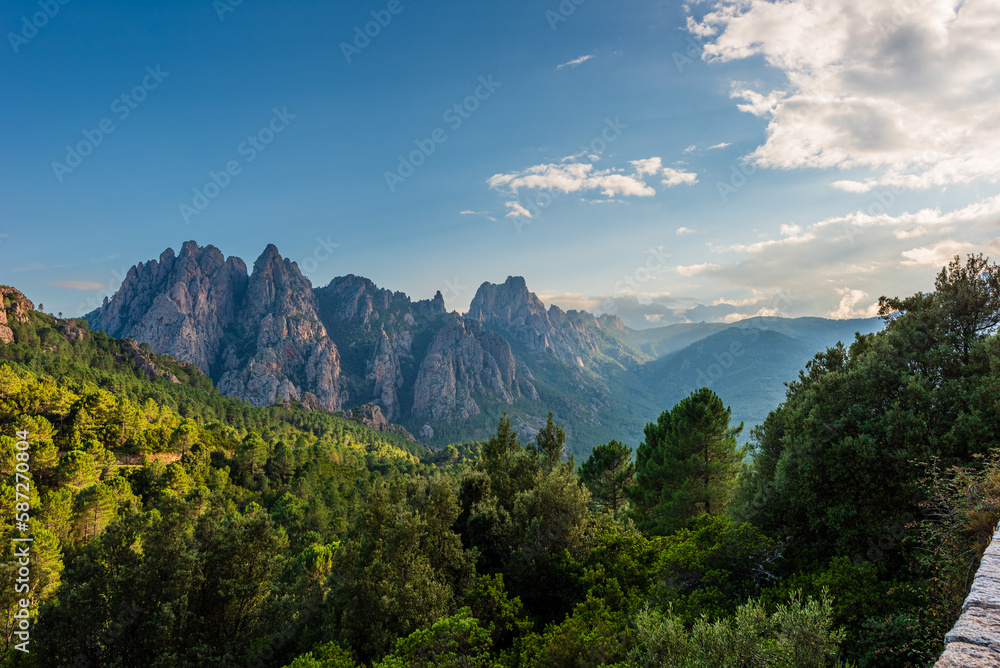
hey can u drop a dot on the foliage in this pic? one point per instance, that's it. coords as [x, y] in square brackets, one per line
[609, 475]
[711, 568]
[797, 635]
[687, 465]
[452, 642]
[837, 469]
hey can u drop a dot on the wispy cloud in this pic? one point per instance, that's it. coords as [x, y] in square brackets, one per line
[34, 266]
[684, 230]
[697, 269]
[719, 145]
[517, 210]
[573, 178]
[576, 62]
[483, 214]
[838, 266]
[79, 285]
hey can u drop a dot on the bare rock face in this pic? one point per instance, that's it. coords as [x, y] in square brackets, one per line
[512, 307]
[14, 307]
[521, 315]
[385, 372]
[283, 348]
[271, 338]
[180, 305]
[464, 361]
[376, 328]
[259, 336]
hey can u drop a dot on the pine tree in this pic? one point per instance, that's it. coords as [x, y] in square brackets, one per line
[687, 465]
[609, 473]
[550, 444]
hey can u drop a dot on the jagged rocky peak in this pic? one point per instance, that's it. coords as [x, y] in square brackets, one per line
[358, 299]
[180, 304]
[283, 351]
[260, 335]
[376, 328]
[277, 283]
[14, 307]
[510, 301]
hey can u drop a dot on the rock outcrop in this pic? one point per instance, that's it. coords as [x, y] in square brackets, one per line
[143, 361]
[975, 639]
[282, 350]
[376, 330]
[370, 415]
[14, 307]
[464, 361]
[181, 305]
[520, 314]
[259, 337]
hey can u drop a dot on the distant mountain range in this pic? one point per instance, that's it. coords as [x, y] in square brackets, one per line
[270, 336]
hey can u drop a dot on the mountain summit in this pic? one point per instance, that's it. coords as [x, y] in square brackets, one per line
[259, 337]
[270, 336]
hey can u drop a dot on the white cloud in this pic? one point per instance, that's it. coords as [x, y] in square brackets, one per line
[684, 230]
[907, 89]
[647, 166]
[917, 231]
[763, 312]
[852, 305]
[690, 148]
[469, 212]
[581, 178]
[719, 145]
[941, 253]
[576, 62]
[572, 178]
[674, 177]
[516, 210]
[697, 269]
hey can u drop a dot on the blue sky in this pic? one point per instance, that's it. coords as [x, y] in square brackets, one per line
[752, 145]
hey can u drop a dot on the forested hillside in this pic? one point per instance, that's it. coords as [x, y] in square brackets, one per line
[173, 526]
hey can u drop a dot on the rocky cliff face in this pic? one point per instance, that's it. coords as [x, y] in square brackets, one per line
[282, 349]
[464, 361]
[181, 305]
[370, 415]
[14, 307]
[376, 329]
[512, 309]
[259, 336]
[414, 359]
